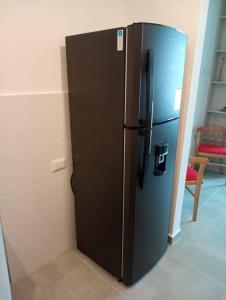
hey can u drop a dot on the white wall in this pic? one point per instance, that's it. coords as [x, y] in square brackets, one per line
[37, 205]
[32, 55]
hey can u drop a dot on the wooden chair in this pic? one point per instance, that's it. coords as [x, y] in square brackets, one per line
[194, 177]
[211, 143]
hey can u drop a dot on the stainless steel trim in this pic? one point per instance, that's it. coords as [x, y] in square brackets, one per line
[150, 139]
[124, 156]
[151, 125]
[126, 37]
[142, 32]
[152, 113]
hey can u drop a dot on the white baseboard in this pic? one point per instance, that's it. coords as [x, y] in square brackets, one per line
[173, 238]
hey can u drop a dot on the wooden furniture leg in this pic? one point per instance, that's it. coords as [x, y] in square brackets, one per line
[222, 168]
[196, 201]
[195, 178]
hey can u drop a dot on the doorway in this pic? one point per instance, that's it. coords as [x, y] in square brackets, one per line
[210, 113]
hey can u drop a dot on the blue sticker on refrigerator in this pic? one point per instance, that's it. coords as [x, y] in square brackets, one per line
[119, 40]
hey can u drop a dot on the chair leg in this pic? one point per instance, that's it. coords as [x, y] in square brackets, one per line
[222, 168]
[196, 202]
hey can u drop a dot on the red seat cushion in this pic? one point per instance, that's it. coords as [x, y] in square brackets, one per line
[191, 174]
[214, 149]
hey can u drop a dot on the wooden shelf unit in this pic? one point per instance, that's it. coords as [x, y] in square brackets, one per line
[218, 82]
[216, 112]
[221, 50]
[217, 89]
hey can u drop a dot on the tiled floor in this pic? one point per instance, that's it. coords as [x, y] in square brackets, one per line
[193, 268]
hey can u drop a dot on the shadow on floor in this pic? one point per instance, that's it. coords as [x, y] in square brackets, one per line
[213, 183]
[193, 268]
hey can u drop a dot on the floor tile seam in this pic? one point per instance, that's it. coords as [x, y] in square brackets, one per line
[203, 205]
[43, 289]
[97, 272]
[209, 198]
[217, 188]
[115, 293]
[198, 269]
[108, 297]
[201, 271]
[29, 277]
[119, 289]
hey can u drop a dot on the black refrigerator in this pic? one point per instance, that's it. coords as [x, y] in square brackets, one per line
[125, 88]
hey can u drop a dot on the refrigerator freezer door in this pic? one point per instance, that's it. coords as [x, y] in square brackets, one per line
[168, 49]
[147, 208]
[96, 64]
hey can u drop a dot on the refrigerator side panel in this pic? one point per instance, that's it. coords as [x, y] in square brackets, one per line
[132, 103]
[95, 63]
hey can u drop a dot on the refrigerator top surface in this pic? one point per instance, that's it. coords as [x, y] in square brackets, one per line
[123, 27]
[157, 24]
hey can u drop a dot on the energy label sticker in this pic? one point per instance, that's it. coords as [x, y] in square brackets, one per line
[120, 40]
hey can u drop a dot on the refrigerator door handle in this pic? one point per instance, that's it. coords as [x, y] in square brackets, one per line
[72, 183]
[149, 89]
[150, 138]
[147, 141]
[149, 95]
[147, 130]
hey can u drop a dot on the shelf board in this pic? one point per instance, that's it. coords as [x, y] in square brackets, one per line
[216, 112]
[223, 17]
[219, 82]
[221, 50]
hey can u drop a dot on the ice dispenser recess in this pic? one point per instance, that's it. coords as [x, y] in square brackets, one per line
[161, 152]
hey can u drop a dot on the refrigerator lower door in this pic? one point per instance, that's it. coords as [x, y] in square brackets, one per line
[147, 207]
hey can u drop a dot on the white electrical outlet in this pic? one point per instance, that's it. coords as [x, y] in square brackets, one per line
[58, 164]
